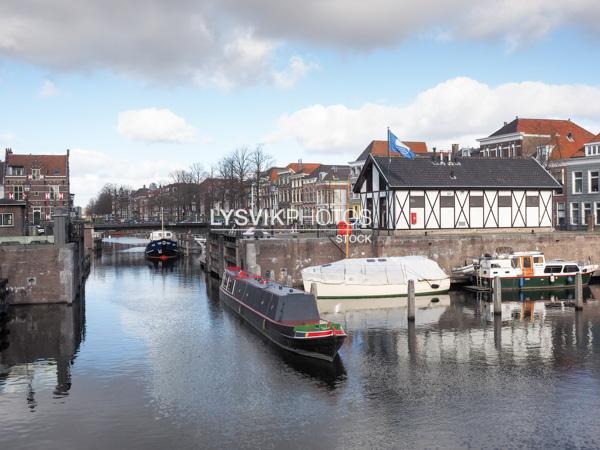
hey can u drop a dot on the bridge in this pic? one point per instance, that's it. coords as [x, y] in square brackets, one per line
[193, 226]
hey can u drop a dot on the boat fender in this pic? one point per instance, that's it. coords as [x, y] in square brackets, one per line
[569, 279]
[552, 278]
[521, 282]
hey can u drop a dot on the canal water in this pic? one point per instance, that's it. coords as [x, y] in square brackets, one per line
[150, 359]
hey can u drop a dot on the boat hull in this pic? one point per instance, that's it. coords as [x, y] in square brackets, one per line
[162, 249]
[538, 282]
[362, 291]
[283, 336]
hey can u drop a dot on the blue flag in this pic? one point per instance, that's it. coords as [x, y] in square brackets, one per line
[396, 145]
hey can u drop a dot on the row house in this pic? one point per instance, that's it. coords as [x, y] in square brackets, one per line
[332, 189]
[289, 186]
[375, 148]
[578, 201]
[545, 139]
[40, 181]
[552, 142]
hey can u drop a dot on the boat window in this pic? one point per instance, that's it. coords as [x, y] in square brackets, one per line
[382, 260]
[538, 260]
[514, 263]
[552, 269]
[527, 263]
[370, 260]
[326, 265]
[570, 269]
[495, 266]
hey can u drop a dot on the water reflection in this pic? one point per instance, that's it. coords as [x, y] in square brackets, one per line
[39, 343]
[164, 365]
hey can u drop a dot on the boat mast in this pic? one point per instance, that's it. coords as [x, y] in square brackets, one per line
[162, 221]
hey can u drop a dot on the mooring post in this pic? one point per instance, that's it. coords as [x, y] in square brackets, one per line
[578, 292]
[497, 295]
[313, 290]
[411, 300]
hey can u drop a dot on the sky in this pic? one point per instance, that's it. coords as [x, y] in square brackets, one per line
[141, 88]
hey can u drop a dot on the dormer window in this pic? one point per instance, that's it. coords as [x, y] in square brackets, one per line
[570, 137]
[35, 174]
[16, 170]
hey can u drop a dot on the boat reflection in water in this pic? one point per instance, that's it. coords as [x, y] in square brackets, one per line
[520, 305]
[429, 307]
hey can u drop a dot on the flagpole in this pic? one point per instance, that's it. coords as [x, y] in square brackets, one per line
[388, 139]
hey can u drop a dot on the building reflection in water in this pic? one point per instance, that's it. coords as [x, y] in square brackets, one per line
[40, 342]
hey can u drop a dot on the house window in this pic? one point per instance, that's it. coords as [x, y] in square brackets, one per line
[560, 213]
[587, 211]
[597, 213]
[593, 181]
[575, 214]
[18, 192]
[577, 182]
[6, 220]
[35, 174]
[16, 170]
[54, 192]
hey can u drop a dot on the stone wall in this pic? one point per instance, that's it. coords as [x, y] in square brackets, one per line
[42, 273]
[283, 257]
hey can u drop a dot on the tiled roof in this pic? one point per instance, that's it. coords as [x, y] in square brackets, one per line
[471, 173]
[51, 165]
[303, 167]
[333, 172]
[567, 137]
[380, 148]
[594, 139]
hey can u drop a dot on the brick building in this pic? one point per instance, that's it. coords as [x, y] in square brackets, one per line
[12, 217]
[546, 139]
[41, 181]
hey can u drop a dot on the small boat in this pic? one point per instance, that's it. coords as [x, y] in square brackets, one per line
[287, 317]
[162, 245]
[376, 277]
[525, 270]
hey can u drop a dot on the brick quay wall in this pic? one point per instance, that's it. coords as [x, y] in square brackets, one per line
[287, 257]
[42, 273]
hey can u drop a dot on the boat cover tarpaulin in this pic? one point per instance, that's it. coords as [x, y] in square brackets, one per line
[376, 271]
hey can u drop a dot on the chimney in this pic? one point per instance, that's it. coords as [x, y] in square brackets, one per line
[454, 149]
[505, 123]
[299, 165]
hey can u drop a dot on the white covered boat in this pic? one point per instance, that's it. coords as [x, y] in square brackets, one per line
[376, 277]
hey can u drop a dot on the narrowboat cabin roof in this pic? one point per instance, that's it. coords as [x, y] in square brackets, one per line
[460, 173]
[278, 303]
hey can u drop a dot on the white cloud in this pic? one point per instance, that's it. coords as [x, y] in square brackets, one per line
[92, 169]
[230, 43]
[155, 125]
[48, 89]
[7, 138]
[296, 70]
[458, 110]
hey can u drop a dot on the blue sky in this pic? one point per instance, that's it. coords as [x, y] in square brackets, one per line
[135, 106]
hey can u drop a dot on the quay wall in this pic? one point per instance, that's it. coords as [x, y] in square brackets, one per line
[43, 273]
[283, 259]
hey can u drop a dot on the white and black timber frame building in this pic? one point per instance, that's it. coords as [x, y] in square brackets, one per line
[471, 193]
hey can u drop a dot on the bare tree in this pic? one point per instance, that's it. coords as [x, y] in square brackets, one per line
[259, 162]
[197, 173]
[241, 170]
[181, 176]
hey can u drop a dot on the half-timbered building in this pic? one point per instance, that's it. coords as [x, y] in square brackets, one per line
[470, 193]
